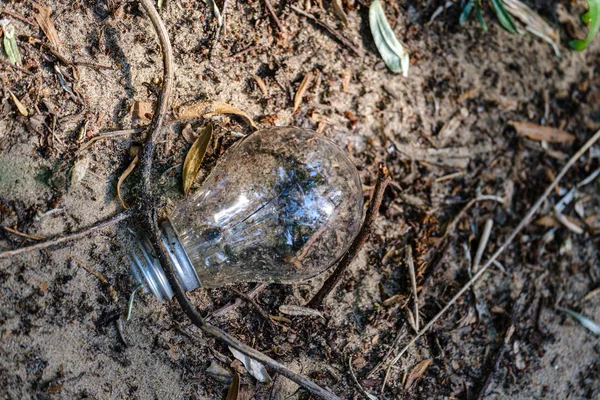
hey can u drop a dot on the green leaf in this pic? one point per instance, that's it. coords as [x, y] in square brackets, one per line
[479, 16]
[592, 17]
[466, 12]
[10, 44]
[504, 18]
[194, 157]
[392, 52]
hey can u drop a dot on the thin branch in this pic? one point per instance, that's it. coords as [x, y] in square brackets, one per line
[150, 222]
[73, 236]
[338, 36]
[413, 281]
[383, 178]
[499, 355]
[500, 250]
[274, 16]
[233, 305]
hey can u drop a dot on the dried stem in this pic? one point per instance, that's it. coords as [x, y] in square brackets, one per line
[73, 236]
[148, 209]
[500, 250]
[274, 16]
[383, 178]
[413, 282]
[338, 36]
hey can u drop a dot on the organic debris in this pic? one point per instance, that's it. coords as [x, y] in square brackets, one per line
[395, 57]
[194, 157]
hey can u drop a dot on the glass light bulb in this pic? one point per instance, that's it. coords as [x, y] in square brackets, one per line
[282, 205]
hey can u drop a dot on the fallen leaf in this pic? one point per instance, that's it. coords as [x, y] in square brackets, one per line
[417, 372]
[547, 221]
[194, 157]
[134, 151]
[19, 105]
[143, 110]
[395, 299]
[338, 10]
[533, 22]
[79, 170]
[234, 388]
[218, 372]
[586, 322]
[10, 43]
[539, 133]
[306, 81]
[299, 311]
[43, 19]
[253, 367]
[392, 52]
[207, 109]
[188, 133]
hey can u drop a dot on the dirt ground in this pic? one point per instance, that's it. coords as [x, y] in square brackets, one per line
[442, 131]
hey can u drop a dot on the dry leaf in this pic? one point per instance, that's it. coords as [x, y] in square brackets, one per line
[143, 110]
[19, 105]
[79, 170]
[194, 157]
[301, 89]
[134, 151]
[547, 221]
[417, 372]
[299, 311]
[216, 371]
[253, 367]
[538, 132]
[261, 84]
[206, 109]
[42, 17]
[234, 388]
[395, 299]
[188, 134]
[338, 10]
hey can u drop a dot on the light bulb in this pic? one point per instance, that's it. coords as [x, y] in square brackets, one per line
[283, 205]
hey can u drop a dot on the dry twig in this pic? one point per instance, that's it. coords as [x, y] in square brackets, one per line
[500, 250]
[73, 236]
[383, 178]
[413, 281]
[338, 36]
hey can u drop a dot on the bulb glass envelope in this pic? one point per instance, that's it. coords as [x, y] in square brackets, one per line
[283, 205]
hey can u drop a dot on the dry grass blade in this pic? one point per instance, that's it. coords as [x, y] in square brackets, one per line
[417, 372]
[22, 109]
[338, 10]
[194, 157]
[234, 388]
[207, 109]
[306, 81]
[533, 22]
[299, 311]
[25, 235]
[542, 133]
[125, 174]
[44, 20]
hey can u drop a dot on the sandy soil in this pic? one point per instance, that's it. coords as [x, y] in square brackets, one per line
[58, 332]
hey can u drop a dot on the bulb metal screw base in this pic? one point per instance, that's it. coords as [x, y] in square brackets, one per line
[146, 269]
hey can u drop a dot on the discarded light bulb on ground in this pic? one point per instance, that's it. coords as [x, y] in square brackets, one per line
[282, 206]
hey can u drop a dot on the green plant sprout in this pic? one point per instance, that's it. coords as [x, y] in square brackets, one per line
[592, 18]
[498, 6]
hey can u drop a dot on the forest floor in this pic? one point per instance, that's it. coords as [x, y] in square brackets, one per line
[443, 131]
